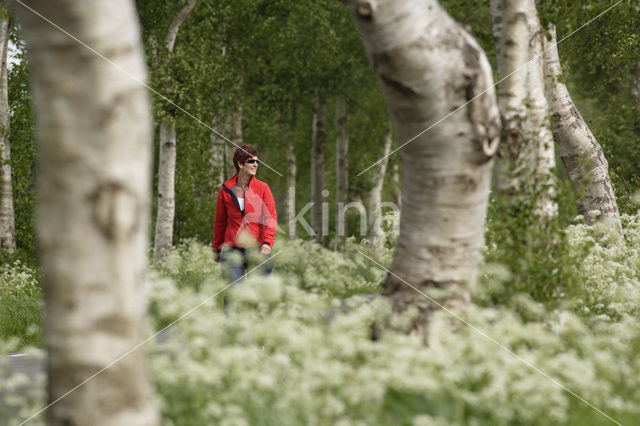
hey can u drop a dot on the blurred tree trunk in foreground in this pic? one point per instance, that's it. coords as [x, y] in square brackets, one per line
[581, 153]
[428, 66]
[94, 154]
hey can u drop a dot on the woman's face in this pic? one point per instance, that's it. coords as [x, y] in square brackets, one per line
[250, 166]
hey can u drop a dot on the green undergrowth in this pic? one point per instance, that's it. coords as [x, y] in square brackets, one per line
[20, 305]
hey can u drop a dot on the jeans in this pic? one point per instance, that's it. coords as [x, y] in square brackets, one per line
[236, 261]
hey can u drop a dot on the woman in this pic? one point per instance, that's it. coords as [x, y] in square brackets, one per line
[246, 217]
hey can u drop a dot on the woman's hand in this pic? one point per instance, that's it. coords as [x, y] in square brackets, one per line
[216, 256]
[265, 250]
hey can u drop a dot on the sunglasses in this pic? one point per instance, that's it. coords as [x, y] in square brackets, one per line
[252, 161]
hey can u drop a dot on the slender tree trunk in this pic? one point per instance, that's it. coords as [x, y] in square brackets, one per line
[7, 215]
[511, 39]
[540, 152]
[397, 193]
[635, 87]
[235, 128]
[217, 157]
[527, 143]
[167, 167]
[176, 23]
[291, 188]
[580, 151]
[342, 165]
[428, 65]
[166, 192]
[375, 196]
[94, 154]
[317, 169]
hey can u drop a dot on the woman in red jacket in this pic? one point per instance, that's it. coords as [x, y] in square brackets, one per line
[246, 217]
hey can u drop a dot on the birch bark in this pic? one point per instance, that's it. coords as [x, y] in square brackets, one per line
[375, 196]
[217, 157]
[428, 65]
[7, 213]
[94, 154]
[318, 138]
[167, 168]
[527, 143]
[581, 153]
[342, 165]
[291, 189]
[166, 192]
[235, 128]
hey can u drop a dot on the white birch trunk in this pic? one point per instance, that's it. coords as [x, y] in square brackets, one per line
[217, 157]
[376, 239]
[342, 165]
[580, 151]
[318, 138]
[176, 23]
[166, 192]
[167, 167]
[428, 65]
[291, 189]
[397, 193]
[540, 147]
[527, 143]
[7, 214]
[94, 154]
[235, 131]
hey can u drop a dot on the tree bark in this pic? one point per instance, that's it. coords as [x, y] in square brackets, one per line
[94, 158]
[167, 168]
[428, 65]
[7, 214]
[397, 192]
[166, 192]
[342, 165]
[176, 23]
[580, 151]
[235, 128]
[217, 157]
[540, 152]
[318, 138]
[635, 87]
[291, 188]
[375, 196]
[527, 143]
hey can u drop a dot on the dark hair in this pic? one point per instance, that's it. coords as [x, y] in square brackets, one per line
[242, 154]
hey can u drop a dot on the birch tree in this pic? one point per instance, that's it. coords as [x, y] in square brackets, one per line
[635, 85]
[292, 172]
[93, 179]
[581, 153]
[217, 157]
[7, 215]
[342, 165]
[318, 139]
[527, 142]
[428, 66]
[375, 195]
[167, 166]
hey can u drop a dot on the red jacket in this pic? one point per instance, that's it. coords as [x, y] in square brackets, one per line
[259, 217]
